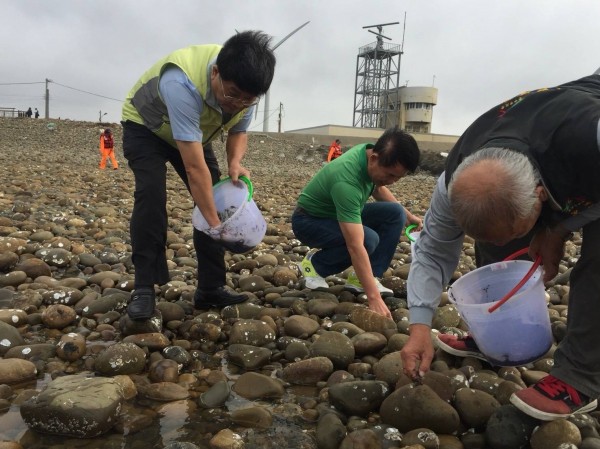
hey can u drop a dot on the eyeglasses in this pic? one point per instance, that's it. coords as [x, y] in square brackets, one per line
[236, 100]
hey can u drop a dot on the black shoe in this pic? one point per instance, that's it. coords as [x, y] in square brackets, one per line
[141, 305]
[218, 297]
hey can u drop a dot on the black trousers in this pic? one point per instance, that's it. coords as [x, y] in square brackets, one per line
[147, 156]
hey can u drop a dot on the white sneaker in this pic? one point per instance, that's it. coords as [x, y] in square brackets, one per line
[354, 285]
[312, 280]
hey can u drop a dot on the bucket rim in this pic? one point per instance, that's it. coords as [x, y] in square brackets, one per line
[408, 232]
[242, 178]
[537, 271]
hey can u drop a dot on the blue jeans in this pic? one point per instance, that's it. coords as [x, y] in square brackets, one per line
[382, 224]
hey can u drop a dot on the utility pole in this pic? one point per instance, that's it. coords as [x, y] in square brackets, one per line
[266, 103]
[47, 114]
[101, 115]
[279, 122]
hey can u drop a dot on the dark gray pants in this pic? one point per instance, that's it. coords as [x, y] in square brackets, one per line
[147, 156]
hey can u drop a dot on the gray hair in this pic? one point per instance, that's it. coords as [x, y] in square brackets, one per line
[506, 195]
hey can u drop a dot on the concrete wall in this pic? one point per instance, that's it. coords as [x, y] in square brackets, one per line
[349, 135]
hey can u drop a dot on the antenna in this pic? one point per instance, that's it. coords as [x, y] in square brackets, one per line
[377, 77]
[380, 29]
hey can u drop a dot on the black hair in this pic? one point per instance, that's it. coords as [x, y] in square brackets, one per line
[397, 147]
[248, 61]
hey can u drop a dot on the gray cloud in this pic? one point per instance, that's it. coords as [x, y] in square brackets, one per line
[480, 52]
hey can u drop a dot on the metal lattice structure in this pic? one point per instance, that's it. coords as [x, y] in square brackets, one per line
[377, 76]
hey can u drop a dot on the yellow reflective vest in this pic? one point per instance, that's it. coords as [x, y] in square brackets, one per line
[145, 106]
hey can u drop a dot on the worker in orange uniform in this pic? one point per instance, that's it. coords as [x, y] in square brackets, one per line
[107, 149]
[335, 150]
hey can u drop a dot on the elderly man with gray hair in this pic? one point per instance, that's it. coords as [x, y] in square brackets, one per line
[524, 174]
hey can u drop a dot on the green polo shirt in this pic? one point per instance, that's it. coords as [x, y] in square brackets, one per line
[341, 188]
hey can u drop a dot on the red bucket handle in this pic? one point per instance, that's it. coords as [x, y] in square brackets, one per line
[516, 288]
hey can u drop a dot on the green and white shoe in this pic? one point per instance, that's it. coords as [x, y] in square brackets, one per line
[354, 285]
[312, 280]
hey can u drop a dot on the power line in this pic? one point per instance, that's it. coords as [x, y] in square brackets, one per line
[13, 84]
[274, 111]
[65, 86]
[86, 92]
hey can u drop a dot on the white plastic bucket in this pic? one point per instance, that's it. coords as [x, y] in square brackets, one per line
[239, 214]
[516, 333]
[414, 236]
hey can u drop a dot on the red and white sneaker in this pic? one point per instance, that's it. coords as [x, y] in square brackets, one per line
[551, 398]
[459, 346]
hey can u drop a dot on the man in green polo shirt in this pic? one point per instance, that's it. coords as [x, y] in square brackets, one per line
[333, 214]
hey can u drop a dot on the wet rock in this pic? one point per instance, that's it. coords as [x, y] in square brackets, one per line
[251, 332]
[34, 268]
[248, 357]
[14, 317]
[71, 347]
[358, 398]
[508, 428]
[308, 372]
[15, 371]
[9, 337]
[226, 439]
[258, 386]
[411, 407]
[12, 279]
[330, 431]
[163, 391]
[121, 358]
[215, 396]
[388, 368]
[300, 326]
[32, 352]
[8, 260]
[361, 439]
[475, 407]
[154, 341]
[556, 435]
[165, 370]
[336, 347]
[371, 321]
[78, 406]
[58, 316]
[425, 438]
[368, 343]
[254, 417]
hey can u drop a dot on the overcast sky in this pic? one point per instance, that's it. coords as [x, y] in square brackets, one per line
[476, 52]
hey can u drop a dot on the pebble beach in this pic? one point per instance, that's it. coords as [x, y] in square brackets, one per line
[289, 368]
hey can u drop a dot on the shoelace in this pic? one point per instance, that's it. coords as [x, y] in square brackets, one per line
[554, 387]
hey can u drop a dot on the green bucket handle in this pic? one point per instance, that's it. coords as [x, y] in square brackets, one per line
[407, 232]
[242, 178]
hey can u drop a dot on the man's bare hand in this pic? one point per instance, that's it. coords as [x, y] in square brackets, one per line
[417, 353]
[550, 245]
[377, 305]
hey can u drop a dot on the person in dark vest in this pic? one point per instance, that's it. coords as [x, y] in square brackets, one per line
[524, 174]
[29, 113]
[172, 113]
[107, 149]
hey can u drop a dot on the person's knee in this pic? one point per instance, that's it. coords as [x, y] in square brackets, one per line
[371, 240]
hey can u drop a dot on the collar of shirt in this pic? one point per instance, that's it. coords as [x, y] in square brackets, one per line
[210, 98]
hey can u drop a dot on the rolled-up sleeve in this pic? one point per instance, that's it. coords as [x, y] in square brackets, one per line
[435, 257]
